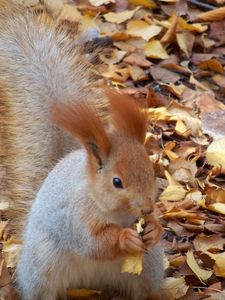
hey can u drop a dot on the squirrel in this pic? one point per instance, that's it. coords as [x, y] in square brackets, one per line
[41, 62]
[80, 225]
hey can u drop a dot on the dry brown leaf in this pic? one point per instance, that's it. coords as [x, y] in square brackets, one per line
[175, 287]
[185, 41]
[202, 274]
[213, 15]
[113, 57]
[205, 243]
[219, 267]
[212, 64]
[137, 73]
[137, 59]
[170, 34]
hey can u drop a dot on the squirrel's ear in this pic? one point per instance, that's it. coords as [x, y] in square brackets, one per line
[82, 121]
[127, 116]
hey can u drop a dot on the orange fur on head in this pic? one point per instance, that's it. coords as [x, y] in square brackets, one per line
[126, 115]
[81, 121]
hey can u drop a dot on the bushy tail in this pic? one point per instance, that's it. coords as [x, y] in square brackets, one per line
[40, 63]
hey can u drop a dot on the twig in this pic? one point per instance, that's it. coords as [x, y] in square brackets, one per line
[202, 5]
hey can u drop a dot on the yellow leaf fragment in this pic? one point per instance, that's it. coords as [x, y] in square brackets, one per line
[81, 293]
[215, 153]
[139, 28]
[203, 275]
[120, 17]
[173, 193]
[139, 225]
[183, 24]
[133, 263]
[169, 35]
[154, 49]
[171, 155]
[144, 3]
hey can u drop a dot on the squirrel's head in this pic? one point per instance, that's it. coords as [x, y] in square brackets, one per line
[121, 176]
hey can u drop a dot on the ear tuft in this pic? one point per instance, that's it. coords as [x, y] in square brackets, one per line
[127, 116]
[81, 120]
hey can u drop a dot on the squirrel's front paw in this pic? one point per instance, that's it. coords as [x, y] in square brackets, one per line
[131, 242]
[152, 233]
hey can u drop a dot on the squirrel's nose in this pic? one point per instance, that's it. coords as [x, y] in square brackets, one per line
[146, 210]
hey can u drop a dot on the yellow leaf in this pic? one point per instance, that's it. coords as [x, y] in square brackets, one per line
[219, 267]
[112, 58]
[182, 129]
[154, 49]
[144, 3]
[203, 275]
[169, 35]
[159, 114]
[182, 213]
[139, 28]
[173, 193]
[133, 263]
[81, 293]
[101, 2]
[120, 17]
[213, 15]
[190, 27]
[217, 195]
[171, 155]
[215, 153]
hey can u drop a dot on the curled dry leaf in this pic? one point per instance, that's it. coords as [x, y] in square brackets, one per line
[203, 275]
[212, 64]
[170, 34]
[213, 15]
[205, 243]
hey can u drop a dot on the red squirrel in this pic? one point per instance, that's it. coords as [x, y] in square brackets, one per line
[80, 226]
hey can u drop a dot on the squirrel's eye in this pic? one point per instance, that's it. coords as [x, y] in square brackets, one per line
[117, 182]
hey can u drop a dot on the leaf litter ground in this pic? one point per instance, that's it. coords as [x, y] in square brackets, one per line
[170, 56]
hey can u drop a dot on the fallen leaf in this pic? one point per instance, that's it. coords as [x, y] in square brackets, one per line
[139, 28]
[215, 153]
[212, 64]
[173, 193]
[144, 3]
[205, 243]
[202, 274]
[213, 15]
[175, 287]
[120, 17]
[154, 49]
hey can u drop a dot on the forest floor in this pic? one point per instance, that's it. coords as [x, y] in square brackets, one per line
[170, 56]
